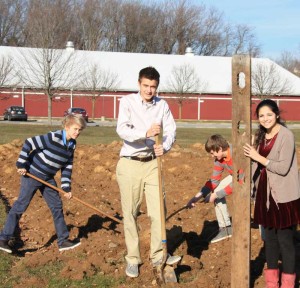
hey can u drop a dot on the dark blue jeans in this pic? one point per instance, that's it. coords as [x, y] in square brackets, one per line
[28, 188]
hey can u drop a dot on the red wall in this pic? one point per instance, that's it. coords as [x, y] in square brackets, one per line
[212, 107]
[215, 109]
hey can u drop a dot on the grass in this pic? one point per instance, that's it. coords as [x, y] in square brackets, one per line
[6, 261]
[93, 135]
[49, 276]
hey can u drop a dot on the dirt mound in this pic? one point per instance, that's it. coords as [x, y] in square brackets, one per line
[102, 246]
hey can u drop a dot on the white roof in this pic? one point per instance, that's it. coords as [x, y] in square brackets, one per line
[214, 71]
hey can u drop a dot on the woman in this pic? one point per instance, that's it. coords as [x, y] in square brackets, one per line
[276, 185]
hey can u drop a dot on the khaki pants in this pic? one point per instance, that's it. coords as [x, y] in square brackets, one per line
[136, 179]
[221, 205]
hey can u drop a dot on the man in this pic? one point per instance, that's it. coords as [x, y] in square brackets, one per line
[141, 117]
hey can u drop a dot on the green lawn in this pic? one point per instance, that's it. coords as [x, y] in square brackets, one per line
[98, 134]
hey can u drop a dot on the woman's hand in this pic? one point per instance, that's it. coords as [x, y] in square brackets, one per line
[250, 151]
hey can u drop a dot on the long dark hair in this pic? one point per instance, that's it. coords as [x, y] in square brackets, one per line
[261, 132]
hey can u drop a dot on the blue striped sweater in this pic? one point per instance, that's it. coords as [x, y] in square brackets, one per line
[46, 154]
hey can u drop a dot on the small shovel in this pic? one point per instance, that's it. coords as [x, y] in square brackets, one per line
[73, 197]
[165, 273]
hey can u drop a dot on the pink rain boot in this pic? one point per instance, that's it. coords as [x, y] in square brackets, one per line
[272, 278]
[288, 280]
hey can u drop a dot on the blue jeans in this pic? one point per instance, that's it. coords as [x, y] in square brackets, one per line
[28, 188]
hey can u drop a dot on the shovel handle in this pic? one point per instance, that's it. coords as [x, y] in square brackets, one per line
[73, 197]
[162, 205]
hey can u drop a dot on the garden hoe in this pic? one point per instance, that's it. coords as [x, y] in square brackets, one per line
[165, 273]
[73, 197]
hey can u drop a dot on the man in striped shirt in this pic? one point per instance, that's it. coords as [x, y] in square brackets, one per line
[43, 156]
[215, 190]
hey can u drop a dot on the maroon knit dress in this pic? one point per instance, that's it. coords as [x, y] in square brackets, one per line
[282, 216]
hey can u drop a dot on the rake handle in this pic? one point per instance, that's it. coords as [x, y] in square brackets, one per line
[73, 197]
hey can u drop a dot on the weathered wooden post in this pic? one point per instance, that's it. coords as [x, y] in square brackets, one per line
[241, 134]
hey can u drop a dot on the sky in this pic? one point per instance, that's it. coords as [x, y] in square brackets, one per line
[276, 23]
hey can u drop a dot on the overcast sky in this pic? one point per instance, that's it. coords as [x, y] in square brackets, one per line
[276, 22]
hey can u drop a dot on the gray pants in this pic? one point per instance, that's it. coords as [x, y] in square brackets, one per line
[221, 205]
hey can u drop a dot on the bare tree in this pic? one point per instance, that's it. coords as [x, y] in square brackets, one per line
[266, 80]
[124, 26]
[244, 41]
[12, 15]
[48, 69]
[181, 25]
[49, 23]
[184, 82]
[113, 39]
[99, 80]
[211, 28]
[215, 37]
[90, 22]
[289, 61]
[7, 72]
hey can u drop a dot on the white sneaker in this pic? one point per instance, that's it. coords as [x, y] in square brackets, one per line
[68, 244]
[171, 260]
[132, 270]
[224, 233]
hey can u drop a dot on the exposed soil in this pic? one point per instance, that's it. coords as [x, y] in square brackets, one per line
[103, 248]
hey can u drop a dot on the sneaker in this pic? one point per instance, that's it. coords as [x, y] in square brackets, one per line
[4, 246]
[68, 244]
[224, 233]
[171, 260]
[132, 270]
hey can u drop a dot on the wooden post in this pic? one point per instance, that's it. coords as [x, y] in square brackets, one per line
[241, 134]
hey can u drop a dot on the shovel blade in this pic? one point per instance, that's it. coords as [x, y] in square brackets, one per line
[169, 274]
[165, 274]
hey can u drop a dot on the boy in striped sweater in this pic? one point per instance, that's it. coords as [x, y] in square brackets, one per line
[43, 156]
[215, 190]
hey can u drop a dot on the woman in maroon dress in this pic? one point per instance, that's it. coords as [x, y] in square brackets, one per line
[277, 191]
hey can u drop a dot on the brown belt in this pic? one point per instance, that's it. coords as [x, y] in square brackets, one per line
[141, 159]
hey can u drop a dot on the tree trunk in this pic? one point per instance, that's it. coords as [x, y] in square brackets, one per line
[93, 107]
[180, 110]
[49, 109]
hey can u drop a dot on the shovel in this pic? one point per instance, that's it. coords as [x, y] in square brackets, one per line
[73, 197]
[165, 273]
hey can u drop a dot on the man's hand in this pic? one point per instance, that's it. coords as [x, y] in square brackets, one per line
[158, 150]
[68, 195]
[153, 131]
[22, 171]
